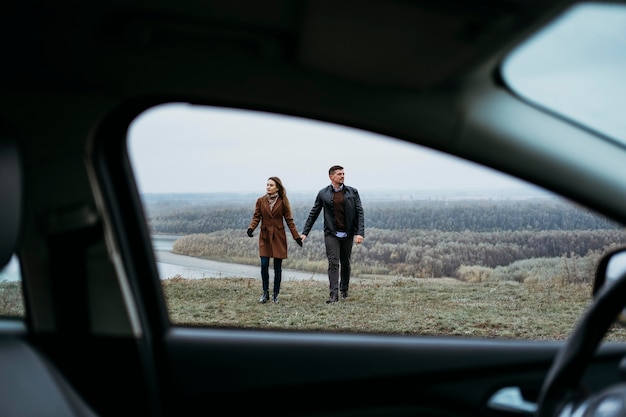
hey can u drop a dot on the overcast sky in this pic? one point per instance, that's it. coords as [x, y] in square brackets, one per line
[190, 149]
[575, 66]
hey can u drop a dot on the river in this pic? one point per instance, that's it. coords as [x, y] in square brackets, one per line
[171, 265]
[11, 271]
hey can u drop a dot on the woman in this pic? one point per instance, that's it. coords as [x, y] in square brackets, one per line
[270, 211]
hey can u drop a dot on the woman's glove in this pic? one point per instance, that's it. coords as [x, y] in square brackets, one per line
[299, 241]
[249, 232]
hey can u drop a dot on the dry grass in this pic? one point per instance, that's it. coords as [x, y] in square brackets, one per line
[11, 300]
[409, 306]
[387, 306]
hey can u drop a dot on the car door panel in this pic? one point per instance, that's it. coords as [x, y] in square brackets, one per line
[339, 374]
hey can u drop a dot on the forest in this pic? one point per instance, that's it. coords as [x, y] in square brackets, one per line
[472, 239]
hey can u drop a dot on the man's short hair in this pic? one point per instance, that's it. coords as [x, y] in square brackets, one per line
[334, 168]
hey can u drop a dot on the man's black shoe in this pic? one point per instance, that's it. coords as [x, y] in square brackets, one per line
[344, 294]
[332, 299]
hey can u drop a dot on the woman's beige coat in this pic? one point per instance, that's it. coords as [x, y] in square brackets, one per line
[273, 238]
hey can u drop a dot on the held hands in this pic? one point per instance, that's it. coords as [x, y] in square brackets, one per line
[299, 241]
[249, 232]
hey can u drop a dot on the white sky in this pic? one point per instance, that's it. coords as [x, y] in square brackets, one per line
[179, 148]
[575, 67]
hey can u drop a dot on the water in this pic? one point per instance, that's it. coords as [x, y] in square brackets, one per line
[12, 271]
[161, 244]
[171, 265]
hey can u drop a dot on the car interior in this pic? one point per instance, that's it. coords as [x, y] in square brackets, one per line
[87, 324]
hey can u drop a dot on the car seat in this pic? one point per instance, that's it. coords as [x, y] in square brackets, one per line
[30, 385]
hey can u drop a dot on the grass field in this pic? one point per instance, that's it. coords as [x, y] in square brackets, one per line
[402, 306]
[406, 306]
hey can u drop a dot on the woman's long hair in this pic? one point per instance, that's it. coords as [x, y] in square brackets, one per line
[282, 193]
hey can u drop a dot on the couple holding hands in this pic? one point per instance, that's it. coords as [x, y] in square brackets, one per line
[343, 226]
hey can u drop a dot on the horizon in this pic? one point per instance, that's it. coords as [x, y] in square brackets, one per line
[391, 195]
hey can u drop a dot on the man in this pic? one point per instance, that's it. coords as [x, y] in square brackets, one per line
[343, 225]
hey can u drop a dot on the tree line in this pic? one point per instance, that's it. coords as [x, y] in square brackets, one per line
[205, 216]
[469, 256]
[471, 240]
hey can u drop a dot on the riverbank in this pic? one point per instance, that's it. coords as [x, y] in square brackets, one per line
[172, 265]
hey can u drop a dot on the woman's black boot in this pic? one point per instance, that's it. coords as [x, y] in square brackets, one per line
[264, 297]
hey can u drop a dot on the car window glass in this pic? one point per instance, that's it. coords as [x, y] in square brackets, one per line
[11, 301]
[575, 67]
[450, 248]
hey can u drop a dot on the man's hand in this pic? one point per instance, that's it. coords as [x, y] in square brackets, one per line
[249, 232]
